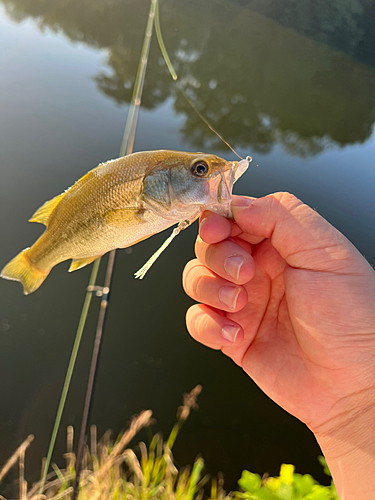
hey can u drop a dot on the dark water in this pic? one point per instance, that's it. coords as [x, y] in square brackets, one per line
[292, 84]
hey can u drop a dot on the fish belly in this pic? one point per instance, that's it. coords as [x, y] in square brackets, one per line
[120, 229]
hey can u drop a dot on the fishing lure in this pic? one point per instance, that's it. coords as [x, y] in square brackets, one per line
[122, 202]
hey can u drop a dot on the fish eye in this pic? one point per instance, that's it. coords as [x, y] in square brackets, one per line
[199, 168]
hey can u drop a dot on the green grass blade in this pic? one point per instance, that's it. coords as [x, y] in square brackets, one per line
[69, 372]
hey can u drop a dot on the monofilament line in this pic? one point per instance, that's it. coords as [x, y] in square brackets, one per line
[140, 274]
[175, 77]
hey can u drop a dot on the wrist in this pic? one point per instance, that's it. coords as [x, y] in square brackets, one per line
[348, 444]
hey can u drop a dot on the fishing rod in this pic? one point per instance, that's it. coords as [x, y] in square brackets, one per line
[125, 149]
[103, 291]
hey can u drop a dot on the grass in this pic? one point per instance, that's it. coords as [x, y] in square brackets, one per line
[113, 471]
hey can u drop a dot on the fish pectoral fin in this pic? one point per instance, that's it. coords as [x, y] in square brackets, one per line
[44, 212]
[78, 263]
[121, 216]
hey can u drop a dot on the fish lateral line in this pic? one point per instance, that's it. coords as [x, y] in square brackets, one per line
[99, 213]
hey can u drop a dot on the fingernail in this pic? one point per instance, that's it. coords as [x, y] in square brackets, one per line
[241, 201]
[233, 264]
[228, 295]
[230, 332]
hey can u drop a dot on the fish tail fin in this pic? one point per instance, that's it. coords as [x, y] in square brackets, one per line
[21, 269]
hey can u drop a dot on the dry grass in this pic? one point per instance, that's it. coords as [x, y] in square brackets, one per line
[112, 471]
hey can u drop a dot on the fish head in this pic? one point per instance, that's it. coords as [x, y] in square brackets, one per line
[189, 183]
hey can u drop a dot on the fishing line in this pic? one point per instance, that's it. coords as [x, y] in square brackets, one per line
[174, 76]
[206, 121]
[140, 274]
[126, 148]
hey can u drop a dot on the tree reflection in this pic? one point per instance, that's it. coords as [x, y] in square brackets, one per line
[348, 26]
[256, 81]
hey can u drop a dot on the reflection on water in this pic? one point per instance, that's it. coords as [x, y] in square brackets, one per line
[287, 89]
[346, 26]
[238, 67]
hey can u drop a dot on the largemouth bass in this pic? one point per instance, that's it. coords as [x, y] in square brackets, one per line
[120, 203]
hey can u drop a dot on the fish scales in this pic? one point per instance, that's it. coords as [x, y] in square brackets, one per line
[120, 203]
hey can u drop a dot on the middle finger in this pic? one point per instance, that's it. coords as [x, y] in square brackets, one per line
[227, 259]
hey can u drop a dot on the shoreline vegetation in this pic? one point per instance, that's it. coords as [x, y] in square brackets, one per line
[113, 471]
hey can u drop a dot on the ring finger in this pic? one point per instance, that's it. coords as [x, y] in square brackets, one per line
[204, 286]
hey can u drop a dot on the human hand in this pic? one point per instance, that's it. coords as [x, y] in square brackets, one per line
[302, 320]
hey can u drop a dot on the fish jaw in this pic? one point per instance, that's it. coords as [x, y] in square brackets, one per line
[241, 167]
[220, 192]
[221, 188]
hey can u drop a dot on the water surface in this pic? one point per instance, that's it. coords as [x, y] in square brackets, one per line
[280, 84]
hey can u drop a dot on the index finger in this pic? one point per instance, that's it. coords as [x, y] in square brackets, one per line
[214, 228]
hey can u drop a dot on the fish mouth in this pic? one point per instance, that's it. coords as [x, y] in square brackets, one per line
[221, 187]
[228, 178]
[242, 166]
[231, 173]
[238, 168]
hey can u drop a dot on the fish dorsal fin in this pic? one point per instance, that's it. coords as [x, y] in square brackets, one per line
[43, 213]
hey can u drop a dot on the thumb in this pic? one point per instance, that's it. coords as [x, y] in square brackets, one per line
[301, 236]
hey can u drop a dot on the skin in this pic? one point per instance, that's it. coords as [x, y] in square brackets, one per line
[291, 301]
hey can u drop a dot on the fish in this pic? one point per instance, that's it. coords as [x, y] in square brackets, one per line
[120, 203]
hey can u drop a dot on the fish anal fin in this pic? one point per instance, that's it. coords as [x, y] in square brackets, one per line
[44, 212]
[78, 263]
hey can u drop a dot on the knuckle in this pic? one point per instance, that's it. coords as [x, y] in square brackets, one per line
[186, 275]
[209, 254]
[195, 318]
[194, 279]
[197, 246]
[198, 283]
[200, 325]
[283, 203]
[287, 199]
